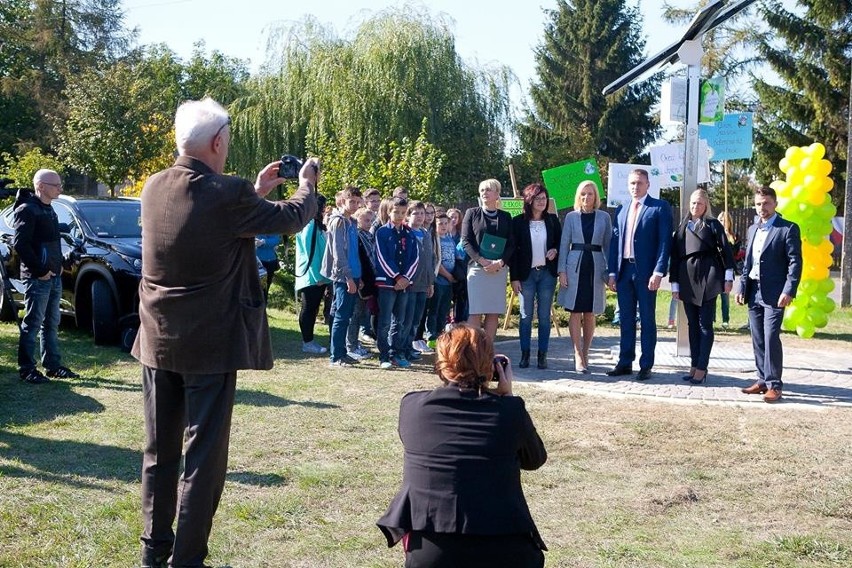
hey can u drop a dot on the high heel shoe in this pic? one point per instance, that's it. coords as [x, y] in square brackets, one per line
[689, 377]
[695, 380]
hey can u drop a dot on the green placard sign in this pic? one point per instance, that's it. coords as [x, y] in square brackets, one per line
[562, 181]
[512, 206]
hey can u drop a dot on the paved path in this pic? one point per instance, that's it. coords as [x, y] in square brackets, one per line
[812, 378]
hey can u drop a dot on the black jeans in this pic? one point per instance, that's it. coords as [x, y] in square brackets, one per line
[311, 298]
[439, 550]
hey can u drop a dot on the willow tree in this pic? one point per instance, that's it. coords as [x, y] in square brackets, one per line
[396, 74]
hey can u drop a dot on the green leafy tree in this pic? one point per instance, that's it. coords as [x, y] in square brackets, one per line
[321, 92]
[587, 44]
[415, 164]
[120, 125]
[22, 169]
[42, 44]
[810, 51]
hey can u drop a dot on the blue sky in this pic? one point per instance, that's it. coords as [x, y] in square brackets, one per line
[486, 31]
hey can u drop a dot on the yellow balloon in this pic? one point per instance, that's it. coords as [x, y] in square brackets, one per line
[827, 184]
[815, 197]
[816, 151]
[820, 272]
[783, 164]
[826, 247]
[824, 167]
[778, 185]
[806, 163]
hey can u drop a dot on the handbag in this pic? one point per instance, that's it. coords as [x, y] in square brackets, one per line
[460, 270]
[492, 246]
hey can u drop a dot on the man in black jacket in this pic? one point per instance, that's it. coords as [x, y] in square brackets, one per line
[37, 243]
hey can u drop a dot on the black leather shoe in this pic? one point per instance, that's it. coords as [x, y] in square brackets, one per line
[620, 371]
[525, 359]
[153, 559]
[687, 378]
[644, 375]
[542, 360]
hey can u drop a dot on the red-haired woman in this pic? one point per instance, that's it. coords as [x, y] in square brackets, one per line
[461, 502]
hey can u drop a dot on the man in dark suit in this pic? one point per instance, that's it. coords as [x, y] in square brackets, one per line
[638, 260]
[202, 317]
[771, 274]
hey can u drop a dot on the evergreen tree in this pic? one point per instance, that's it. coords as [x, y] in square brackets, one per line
[588, 44]
[810, 51]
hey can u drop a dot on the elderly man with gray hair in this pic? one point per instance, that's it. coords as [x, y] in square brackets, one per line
[202, 317]
[36, 241]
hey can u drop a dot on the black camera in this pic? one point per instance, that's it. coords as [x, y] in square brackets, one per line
[501, 360]
[290, 167]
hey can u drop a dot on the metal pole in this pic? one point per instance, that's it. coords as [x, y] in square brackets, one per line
[690, 53]
[846, 258]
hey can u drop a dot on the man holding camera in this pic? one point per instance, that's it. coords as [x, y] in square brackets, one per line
[202, 317]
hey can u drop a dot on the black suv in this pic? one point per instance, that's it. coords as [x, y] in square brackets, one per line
[102, 237]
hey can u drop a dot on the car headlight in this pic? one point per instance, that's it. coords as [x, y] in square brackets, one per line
[136, 263]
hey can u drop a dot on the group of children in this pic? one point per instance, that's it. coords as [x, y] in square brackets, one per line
[389, 265]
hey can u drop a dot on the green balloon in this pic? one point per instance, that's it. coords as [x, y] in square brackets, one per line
[826, 285]
[806, 331]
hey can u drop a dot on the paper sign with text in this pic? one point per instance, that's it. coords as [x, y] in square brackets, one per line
[617, 192]
[730, 139]
[667, 162]
[561, 182]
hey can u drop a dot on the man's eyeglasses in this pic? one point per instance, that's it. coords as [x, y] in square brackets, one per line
[227, 123]
[59, 185]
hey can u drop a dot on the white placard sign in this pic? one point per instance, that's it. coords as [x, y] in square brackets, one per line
[616, 188]
[673, 101]
[667, 162]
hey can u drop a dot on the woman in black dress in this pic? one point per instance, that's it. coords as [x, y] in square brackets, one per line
[582, 268]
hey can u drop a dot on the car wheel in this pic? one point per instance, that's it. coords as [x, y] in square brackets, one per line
[128, 336]
[104, 318]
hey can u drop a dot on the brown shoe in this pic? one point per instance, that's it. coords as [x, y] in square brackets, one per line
[772, 395]
[756, 388]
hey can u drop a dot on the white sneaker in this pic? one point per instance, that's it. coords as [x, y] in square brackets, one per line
[312, 347]
[385, 365]
[420, 345]
[355, 355]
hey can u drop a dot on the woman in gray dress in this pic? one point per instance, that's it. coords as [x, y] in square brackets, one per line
[582, 268]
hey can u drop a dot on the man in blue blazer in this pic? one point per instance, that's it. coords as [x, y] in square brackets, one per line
[638, 260]
[771, 274]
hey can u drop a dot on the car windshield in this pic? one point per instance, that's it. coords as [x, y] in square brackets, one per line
[121, 219]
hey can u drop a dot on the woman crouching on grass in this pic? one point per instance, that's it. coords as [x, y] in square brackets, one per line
[465, 442]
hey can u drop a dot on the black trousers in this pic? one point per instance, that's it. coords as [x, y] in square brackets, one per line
[439, 550]
[271, 267]
[699, 319]
[311, 298]
[198, 408]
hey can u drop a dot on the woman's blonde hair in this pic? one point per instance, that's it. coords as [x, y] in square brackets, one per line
[588, 182]
[465, 357]
[491, 183]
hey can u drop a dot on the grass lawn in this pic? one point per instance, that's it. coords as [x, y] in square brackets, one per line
[315, 459]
